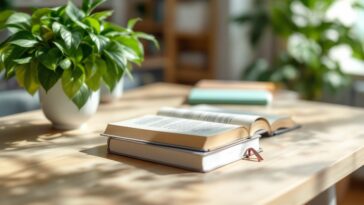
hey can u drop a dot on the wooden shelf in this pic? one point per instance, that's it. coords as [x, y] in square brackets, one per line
[153, 63]
[193, 36]
[192, 75]
[174, 41]
[189, 67]
[178, 41]
[149, 26]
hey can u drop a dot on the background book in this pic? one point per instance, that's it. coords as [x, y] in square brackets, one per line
[229, 96]
[232, 92]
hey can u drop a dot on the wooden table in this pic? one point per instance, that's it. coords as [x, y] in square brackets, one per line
[39, 165]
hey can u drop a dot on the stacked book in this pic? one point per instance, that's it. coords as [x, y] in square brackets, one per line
[201, 138]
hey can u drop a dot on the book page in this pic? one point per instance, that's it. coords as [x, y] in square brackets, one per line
[226, 118]
[269, 117]
[177, 125]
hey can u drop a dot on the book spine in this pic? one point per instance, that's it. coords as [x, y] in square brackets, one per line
[108, 145]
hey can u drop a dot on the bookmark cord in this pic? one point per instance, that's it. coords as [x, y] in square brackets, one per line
[251, 151]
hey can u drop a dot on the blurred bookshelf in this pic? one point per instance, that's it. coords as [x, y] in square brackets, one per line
[191, 40]
[186, 32]
[152, 14]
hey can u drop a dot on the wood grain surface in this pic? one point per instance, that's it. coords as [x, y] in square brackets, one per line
[40, 165]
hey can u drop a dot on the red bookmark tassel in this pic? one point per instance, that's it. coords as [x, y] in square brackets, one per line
[251, 151]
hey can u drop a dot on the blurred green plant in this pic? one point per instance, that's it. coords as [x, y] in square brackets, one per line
[77, 46]
[308, 35]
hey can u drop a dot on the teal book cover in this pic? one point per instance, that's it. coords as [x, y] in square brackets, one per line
[229, 96]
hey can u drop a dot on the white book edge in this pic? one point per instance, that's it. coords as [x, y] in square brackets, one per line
[182, 158]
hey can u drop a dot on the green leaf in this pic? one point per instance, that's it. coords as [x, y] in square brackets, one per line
[93, 23]
[47, 78]
[31, 82]
[12, 52]
[22, 35]
[19, 17]
[96, 4]
[4, 15]
[86, 5]
[9, 72]
[89, 5]
[23, 60]
[27, 76]
[95, 69]
[56, 27]
[132, 22]
[5, 50]
[18, 20]
[132, 43]
[38, 14]
[99, 41]
[86, 50]
[65, 63]
[46, 33]
[96, 41]
[102, 15]
[112, 28]
[13, 28]
[94, 82]
[24, 43]
[61, 46]
[82, 96]
[51, 58]
[20, 74]
[131, 55]
[110, 76]
[23, 39]
[71, 39]
[72, 80]
[147, 37]
[116, 53]
[90, 67]
[36, 29]
[75, 14]
[78, 55]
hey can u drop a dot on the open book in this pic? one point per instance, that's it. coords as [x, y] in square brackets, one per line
[196, 129]
[278, 123]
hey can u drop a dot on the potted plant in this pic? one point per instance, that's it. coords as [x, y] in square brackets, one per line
[308, 38]
[67, 53]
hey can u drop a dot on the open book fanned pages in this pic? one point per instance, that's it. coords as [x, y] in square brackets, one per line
[278, 123]
[199, 128]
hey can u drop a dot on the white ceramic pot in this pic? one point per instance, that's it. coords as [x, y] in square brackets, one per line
[62, 112]
[107, 96]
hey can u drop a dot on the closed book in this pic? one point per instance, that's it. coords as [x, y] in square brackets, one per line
[183, 158]
[229, 96]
